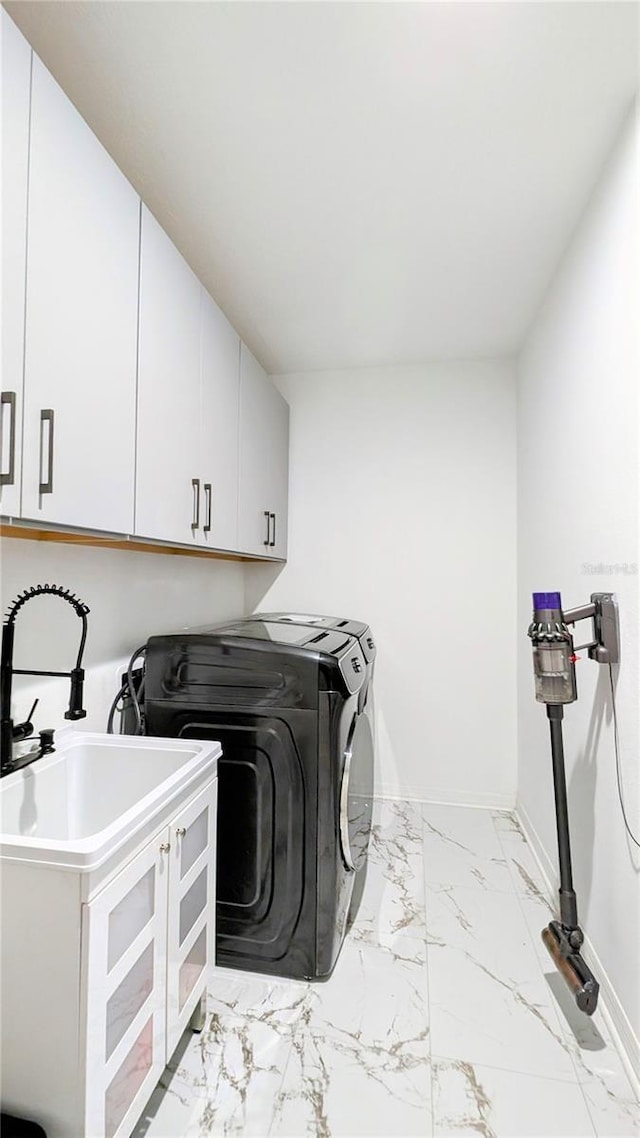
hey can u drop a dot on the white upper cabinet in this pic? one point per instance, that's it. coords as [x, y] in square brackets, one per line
[263, 462]
[219, 392]
[187, 468]
[16, 84]
[81, 323]
[129, 405]
[169, 494]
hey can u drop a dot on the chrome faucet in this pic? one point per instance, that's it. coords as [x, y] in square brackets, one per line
[10, 733]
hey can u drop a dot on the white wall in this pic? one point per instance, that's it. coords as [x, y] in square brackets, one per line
[402, 514]
[131, 596]
[578, 511]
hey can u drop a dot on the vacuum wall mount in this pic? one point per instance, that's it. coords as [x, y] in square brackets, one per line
[554, 659]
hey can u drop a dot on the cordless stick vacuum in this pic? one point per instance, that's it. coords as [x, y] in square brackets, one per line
[554, 658]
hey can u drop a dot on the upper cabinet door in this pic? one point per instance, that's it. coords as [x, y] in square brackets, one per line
[81, 322]
[169, 491]
[219, 393]
[16, 87]
[263, 462]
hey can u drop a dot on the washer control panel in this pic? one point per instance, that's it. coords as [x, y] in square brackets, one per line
[352, 664]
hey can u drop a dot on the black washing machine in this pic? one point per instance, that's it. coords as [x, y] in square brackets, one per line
[284, 701]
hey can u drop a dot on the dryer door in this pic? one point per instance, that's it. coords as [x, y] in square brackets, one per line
[356, 794]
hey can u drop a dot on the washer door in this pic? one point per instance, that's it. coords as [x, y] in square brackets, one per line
[356, 794]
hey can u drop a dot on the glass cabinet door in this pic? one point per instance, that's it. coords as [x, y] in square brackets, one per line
[191, 912]
[124, 937]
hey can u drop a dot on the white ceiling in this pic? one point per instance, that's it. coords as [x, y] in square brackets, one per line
[356, 183]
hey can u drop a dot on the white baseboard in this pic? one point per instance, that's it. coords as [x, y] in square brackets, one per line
[624, 1037]
[444, 797]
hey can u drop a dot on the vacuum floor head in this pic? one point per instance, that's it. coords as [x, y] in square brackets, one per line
[572, 967]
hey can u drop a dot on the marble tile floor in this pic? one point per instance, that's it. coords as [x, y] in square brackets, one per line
[444, 1015]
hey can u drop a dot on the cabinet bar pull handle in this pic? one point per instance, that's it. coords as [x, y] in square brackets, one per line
[273, 539]
[181, 831]
[46, 416]
[268, 517]
[165, 847]
[207, 494]
[195, 482]
[9, 397]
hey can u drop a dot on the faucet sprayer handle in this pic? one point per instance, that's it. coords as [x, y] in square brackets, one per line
[76, 710]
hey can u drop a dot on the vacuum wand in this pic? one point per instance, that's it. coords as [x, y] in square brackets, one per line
[554, 661]
[568, 903]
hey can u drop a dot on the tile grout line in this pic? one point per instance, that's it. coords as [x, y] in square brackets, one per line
[557, 1081]
[404, 805]
[539, 966]
[278, 1094]
[426, 951]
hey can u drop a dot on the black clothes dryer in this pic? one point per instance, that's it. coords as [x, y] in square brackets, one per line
[292, 837]
[361, 782]
[361, 788]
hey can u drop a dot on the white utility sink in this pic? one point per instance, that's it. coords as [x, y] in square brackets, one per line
[76, 806]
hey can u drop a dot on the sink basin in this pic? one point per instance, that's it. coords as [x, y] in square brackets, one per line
[77, 805]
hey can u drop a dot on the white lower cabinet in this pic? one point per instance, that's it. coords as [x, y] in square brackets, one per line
[103, 974]
[124, 930]
[149, 944]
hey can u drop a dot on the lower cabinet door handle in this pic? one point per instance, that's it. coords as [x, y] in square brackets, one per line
[273, 539]
[8, 398]
[46, 416]
[195, 524]
[268, 517]
[165, 847]
[207, 497]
